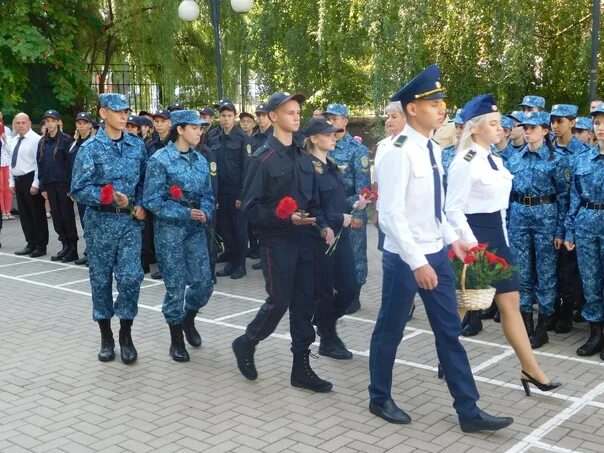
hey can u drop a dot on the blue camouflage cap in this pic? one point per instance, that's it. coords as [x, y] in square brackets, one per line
[425, 85]
[584, 124]
[565, 110]
[516, 115]
[536, 119]
[337, 109]
[506, 122]
[477, 106]
[533, 101]
[458, 119]
[598, 110]
[51, 114]
[114, 101]
[179, 117]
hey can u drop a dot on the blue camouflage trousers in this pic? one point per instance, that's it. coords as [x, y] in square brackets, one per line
[532, 231]
[114, 247]
[182, 255]
[358, 240]
[589, 239]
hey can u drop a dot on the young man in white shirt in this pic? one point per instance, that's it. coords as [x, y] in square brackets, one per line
[415, 260]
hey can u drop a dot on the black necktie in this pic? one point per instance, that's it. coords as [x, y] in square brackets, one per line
[492, 163]
[436, 175]
[13, 162]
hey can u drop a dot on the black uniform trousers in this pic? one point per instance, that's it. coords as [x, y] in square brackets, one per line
[289, 275]
[61, 211]
[148, 243]
[232, 227]
[336, 281]
[570, 287]
[32, 214]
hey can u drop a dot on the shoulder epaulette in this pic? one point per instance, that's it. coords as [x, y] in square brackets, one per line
[400, 141]
[469, 155]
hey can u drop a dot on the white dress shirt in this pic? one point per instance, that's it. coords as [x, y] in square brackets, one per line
[382, 147]
[406, 201]
[4, 151]
[26, 160]
[474, 187]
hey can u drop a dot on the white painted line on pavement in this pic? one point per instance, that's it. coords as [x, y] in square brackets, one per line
[74, 282]
[43, 272]
[492, 361]
[553, 448]
[538, 433]
[234, 315]
[14, 264]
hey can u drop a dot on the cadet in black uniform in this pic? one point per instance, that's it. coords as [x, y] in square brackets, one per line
[53, 168]
[336, 276]
[277, 170]
[232, 149]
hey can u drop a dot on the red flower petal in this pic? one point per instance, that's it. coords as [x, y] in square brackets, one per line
[286, 207]
[175, 192]
[107, 192]
[469, 259]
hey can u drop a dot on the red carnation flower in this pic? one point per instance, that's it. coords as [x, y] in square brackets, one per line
[176, 192]
[492, 258]
[368, 194]
[107, 192]
[451, 255]
[479, 247]
[469, 259]
[503, 262]
[286, 207]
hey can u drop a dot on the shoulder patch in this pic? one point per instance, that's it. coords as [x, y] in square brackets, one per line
[365, 162]
[469, 156]
[249, 149]
[213, 168]
[399, 142]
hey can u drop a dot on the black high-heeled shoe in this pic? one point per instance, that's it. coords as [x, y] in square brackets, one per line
[441, 372]
[551, 385]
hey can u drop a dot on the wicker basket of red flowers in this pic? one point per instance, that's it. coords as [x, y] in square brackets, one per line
[475, 275]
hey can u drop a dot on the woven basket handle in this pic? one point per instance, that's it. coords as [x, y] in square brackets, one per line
[463, 278]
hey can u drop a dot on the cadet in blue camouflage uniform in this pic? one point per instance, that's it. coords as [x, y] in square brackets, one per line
[448, 153]
[113, 232]
[583, 131]
[570, 291]
[516, 142]
[178, 220]
[352, 158]
[531, 103]
[585, 229]
[536, 226]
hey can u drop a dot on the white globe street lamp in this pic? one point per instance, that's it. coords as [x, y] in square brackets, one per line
[242, 6]
[188, 10]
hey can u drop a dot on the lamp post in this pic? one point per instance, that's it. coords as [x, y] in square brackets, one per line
[188, 10]
[593, 73]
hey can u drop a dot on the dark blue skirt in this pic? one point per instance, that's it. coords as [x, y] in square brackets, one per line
[488, 229]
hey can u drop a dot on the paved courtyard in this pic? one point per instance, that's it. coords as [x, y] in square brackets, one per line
[56, 396]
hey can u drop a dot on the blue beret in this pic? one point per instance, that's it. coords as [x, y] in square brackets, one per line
[458, 119]
[337, 109]
[516, 115]
[51, 114]
[506, 122]
[584, 123]
[84, 116]
[186, 117]
[533, 101]
[480, 105]
[536, 119]
[565, 110]
[114, 101]
[599, 109]
[425, 85]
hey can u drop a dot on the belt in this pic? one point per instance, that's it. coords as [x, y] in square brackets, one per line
[115, 210]
[188, 204]
[594, 206]
[534, 201]
[31, 173]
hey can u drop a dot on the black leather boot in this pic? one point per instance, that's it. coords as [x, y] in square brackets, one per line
[564, 323]
[595, 342]
[61, 253]
[71, 254]
[527, 317]
[238, 273]
[304, 377]
[473, 325]
[331, 345]
[188, 327]
[489, 313]
[244, 350]
[127, 349]
[539, 337]
[106, 354]
[177, 347]
[227, 271]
